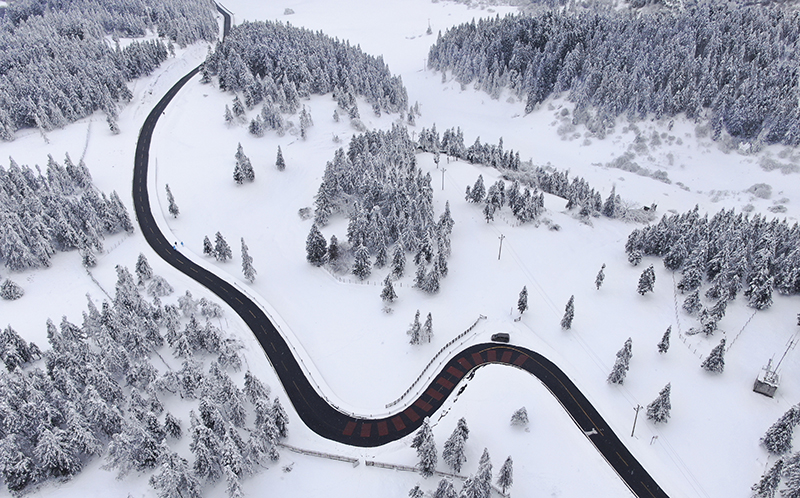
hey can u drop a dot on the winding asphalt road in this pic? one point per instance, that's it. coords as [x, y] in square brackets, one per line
[330, 423]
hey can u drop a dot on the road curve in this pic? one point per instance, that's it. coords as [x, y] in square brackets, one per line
[329, 422]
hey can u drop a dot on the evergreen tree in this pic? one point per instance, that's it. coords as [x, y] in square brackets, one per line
[569, 314]
[415, 331]
[247, 264]
[280, 163]
[692, 304]
[143, 269]
[10, 291]
[415, 492]
[172, 426]
[522, 302]
[388, 294]
[478, 190]
[791, 477]
[222, 251]
[663, 346]
[398, 261]
[426, 449]
[362, 266]
[280, 418]
[610, 206]
[505, 478]
[173, 208]
[658, 410]
[174, 478]
[520, 418]
[453, 451]
[445, 489]
[767, 487]
[646, 281]
[778, 438]
[427, 330]
[598, 281]
[333, 250]
[715, 361]
[621, 365]
[316, 247]
[208, 249]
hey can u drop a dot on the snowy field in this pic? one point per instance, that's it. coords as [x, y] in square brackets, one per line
[359, 355]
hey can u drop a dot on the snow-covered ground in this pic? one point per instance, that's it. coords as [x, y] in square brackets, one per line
[360, 355]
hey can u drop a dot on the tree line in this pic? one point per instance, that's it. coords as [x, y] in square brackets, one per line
[730, 64]
[277, 65]
[57, 65]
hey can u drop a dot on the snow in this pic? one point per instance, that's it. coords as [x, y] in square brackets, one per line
[359, 355]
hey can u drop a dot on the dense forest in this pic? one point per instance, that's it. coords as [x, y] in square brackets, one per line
[59, 62]
[732, 65]
[104, 389]
[389, 202]
[59, 210]
[731, 252]
[278, 64]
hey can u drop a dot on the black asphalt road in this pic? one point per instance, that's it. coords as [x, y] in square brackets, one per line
[330, 423]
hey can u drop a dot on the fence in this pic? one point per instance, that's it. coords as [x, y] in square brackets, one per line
[320, 454]
[453, 341]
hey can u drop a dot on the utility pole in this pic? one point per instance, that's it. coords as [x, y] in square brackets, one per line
[443, 170]
[638, 407]
[501, 237]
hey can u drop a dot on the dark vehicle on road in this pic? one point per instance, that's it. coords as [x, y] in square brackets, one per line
[501, 337]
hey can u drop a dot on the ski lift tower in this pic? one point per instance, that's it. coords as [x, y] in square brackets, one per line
[768, 379]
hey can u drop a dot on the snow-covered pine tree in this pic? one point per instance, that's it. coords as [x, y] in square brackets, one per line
[610, 206]
[505, 477]
[520, 418]
[569, 314]
[767, 486]
[143, 269]
[279, 162]
[621, 364]
[692, 304]
[416, 491]
[173, 207]
[10, 290]
[316, 246]
[426, 449]
[222, 251]
[598, 281]
[174, 478]
[247, 264]
[280, 418]
[663, 345]
[445, 489]
[791, 477]
[415, 330]
[778, 438]
[362, 266]
[483, 478]
[172, 426]
[333, 250]
[388, 295]
[478, 191]
[453, 451]
[715, 361]
[522, 302]
[159, 287]
[646, 281]
[427, 329]
[658, 410]
[398, 261]
[208, 249]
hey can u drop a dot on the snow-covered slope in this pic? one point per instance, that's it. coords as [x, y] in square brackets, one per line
[360, 355]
